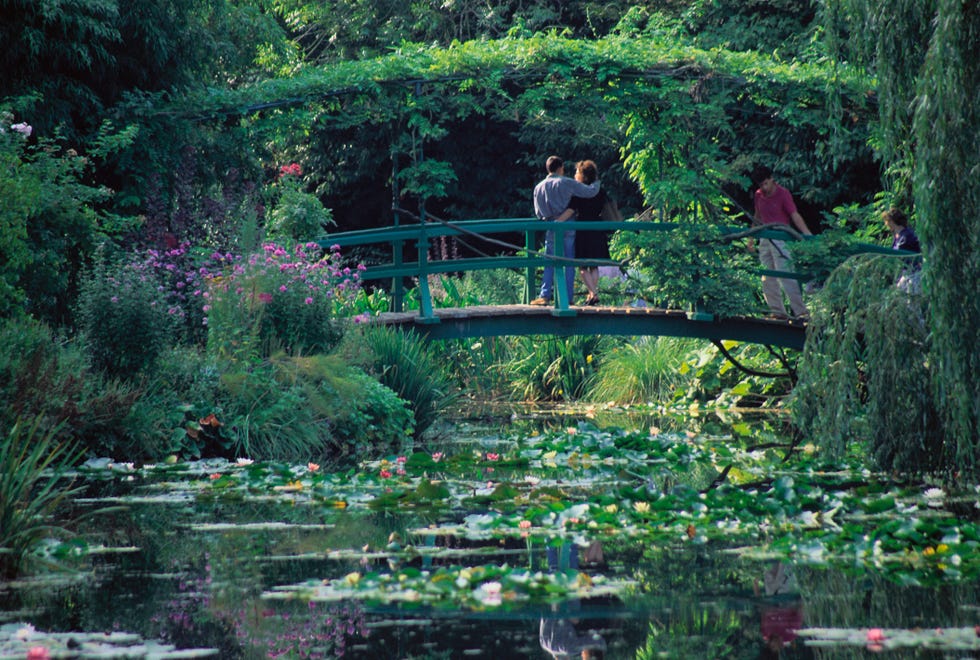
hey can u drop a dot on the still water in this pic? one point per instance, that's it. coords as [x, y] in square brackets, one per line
[515, 539]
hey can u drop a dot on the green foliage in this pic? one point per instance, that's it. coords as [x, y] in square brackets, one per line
[693, 268]
[49, 222]
[947, 139]
[45, 377]
[553, 368]
[32, 463]
[821, 254]
[295, 215]
[311, 408]
[645, 370]
[181, 391]
[865, 374]
[123, 318]
[927, 136]
[711, 378]
[279, 299]
[410, 367]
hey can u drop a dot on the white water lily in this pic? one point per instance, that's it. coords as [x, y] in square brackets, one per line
[25, 632]
[489, 593]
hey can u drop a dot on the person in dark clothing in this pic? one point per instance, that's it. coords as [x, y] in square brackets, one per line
[589, 244]
[903, 238]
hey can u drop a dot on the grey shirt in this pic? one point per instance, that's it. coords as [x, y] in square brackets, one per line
[552, 195]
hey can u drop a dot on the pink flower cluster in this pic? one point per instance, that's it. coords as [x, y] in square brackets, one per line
[293, 169]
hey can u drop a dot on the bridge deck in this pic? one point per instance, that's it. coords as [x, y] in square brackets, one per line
[497, 320]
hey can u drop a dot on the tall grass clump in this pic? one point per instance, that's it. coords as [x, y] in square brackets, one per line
[411, 368]
[301, 408]
[553, 368]
[31, 463]
[649, 369]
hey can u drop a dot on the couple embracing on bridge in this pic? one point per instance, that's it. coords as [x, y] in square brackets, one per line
[559, 198]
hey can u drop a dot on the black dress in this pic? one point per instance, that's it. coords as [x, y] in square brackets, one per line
[590, 244]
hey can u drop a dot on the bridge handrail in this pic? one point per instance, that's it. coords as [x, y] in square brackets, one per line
[530, 259]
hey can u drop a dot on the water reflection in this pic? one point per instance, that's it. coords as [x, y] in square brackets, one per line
[781, 611]
[565, 635]
[207, 559]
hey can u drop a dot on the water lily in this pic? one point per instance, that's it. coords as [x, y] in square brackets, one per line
[215, 475]
[38, 653]
[525, 524]
[385, 474]
[641, 507]
[437, 456]
[489, 593]
[244, 461]
[492, 456]
[25, 632]
[312, 467]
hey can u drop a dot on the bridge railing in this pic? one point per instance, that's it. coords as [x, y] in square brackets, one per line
[528, 257]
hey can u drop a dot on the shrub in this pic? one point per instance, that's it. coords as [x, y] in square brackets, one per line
[694, 268]
[280, 299]
[49, 218]
[296, 215]
[123, 320]
[180, 393]
[45, 377]
[406, 364]
[314, 407]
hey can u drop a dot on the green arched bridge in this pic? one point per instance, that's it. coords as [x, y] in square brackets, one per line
[563, 318]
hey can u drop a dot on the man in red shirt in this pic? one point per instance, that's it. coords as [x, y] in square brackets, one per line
[774, 205]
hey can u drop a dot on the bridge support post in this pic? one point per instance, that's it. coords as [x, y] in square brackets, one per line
[558, 283]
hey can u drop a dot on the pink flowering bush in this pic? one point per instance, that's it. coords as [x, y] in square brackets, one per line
[279, 299]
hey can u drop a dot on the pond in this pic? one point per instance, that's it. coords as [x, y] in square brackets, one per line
[518, 537]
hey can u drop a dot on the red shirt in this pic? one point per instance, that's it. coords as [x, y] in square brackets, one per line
[775, 209]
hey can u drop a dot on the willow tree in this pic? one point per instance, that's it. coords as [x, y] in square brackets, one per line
[928, 140]
[947, 196]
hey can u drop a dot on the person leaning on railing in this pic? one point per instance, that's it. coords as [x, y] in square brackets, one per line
[774, 205]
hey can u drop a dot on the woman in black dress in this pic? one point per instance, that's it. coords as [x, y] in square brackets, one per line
[590, 244]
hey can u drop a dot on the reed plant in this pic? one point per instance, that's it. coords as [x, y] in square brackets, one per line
[32, 462]
[649, 369]
[553, 368]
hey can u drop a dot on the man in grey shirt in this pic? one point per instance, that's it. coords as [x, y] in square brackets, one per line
[551, 198]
